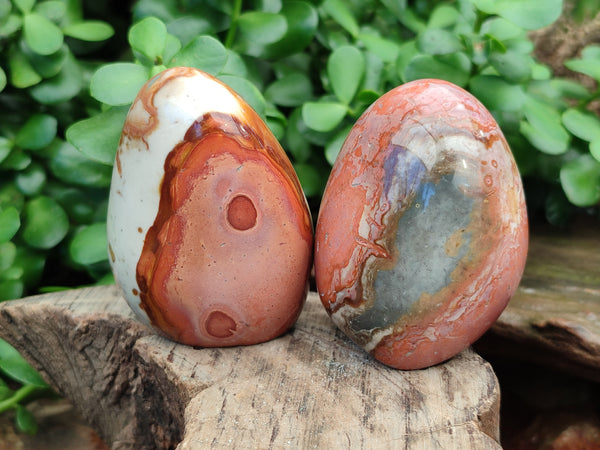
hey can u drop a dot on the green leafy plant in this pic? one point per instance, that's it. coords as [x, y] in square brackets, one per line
[19, 384]
[48, 190]
[311, 68]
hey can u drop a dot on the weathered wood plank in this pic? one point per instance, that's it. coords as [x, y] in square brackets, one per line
[309, 388]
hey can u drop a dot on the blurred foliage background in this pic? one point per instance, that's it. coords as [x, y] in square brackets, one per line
[69, 69]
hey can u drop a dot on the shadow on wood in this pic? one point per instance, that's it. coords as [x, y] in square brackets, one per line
[310, 388]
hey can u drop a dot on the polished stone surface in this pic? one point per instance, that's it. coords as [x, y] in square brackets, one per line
[210, 236]
[422, 235]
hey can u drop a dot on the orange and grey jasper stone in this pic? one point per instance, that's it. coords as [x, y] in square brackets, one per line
[422, 235]
[209, 233]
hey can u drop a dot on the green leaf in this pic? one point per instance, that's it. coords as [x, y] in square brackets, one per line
[165, 10]
[443, 16]
[234, 65]
[528, 14]
[557, 208]
[295, 140]
[6, 146]
[10, 221]
[98, 137]
[589, 67]
[89, 245]
[582, 124]
[11, 289]
[338, 10]
[323, 116]
[247, 90]
[186, 28]
[89, 30]
[540, 71]
[72, 166]
[45, 224]
[541, 115]
[62, 87]
[37, 132]
[436, 41]
[385, 49]
[276, 125]
[13, 273]
[17, 160]
[291, 90]
[261, 28]
[496, 94]
[310, 179]
[5, 391]
[53, 10]
[205, 53]
[580, 179]
[14, 366]
[24, 6]
[47, 65]
[31, 180]
[172, 46]
[591, 51]
[105, 280]
[513, 66]
[8, 251]
[11, 196]
[551, 144]
[25, 421]
[3, 79]
[41, 35]
[32, 265]
[12, 25]
[148, 37]
[408, 51]
[544, 128]
[375, 76]
[302, 22]
[454, 68]
[595, 149]
[345, 69]
[501, 29]
[22, 73]
[81, 207]
[569, 88]
[332, 149]
[118, 83]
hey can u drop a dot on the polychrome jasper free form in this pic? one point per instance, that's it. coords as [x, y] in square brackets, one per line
[422, 235]
[209, 233]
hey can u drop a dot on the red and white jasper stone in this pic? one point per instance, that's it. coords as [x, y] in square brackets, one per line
[209, 232]
[422, 235]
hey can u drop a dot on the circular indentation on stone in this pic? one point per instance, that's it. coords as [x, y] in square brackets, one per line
[488, 180]
[241, 213]
[220, 325]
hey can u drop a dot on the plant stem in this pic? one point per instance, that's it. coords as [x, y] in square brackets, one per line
[235, 14]
[19, 395]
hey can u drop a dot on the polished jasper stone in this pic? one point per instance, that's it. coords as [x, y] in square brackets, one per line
[209, 232]
[422, 235]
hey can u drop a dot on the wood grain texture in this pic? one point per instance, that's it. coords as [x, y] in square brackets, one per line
[554, 318]
[311, 388]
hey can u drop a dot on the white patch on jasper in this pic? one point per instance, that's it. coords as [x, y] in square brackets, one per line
[135, 193]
